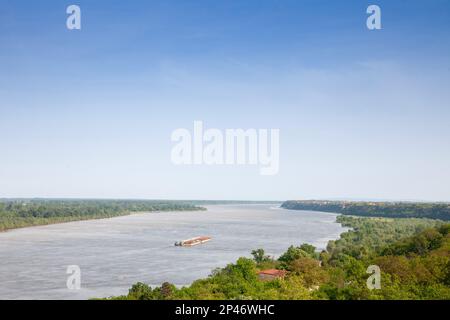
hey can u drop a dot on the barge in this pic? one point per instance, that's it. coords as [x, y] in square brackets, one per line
[193, 242]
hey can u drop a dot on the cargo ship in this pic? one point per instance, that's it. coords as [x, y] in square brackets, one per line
[192, 242]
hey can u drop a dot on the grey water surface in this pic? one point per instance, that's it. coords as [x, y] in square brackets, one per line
[115, 253]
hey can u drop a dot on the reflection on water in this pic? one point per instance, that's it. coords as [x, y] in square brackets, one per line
[115, 253]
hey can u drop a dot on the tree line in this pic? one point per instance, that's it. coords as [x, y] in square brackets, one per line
[375, 209]
[18, 213]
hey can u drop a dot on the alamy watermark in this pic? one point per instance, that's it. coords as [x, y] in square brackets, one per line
[74, 280]
[374, 20]
[73, 21]
[259, 147]
[374, 281]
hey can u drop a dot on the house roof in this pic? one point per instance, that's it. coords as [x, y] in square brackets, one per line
[273, 272]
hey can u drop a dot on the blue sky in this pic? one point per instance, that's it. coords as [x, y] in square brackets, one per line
[362, 114]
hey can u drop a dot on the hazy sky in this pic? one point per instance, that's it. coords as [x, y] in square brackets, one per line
[90, 112]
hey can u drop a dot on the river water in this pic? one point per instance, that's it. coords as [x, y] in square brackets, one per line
[115, 253]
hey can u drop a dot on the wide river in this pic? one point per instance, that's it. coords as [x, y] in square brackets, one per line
[115, 253]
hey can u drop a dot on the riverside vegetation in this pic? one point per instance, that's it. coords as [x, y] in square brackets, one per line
[412, 253]
[375, 209]
[19, 213]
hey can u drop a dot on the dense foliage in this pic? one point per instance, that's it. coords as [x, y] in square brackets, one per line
[375, 209]
[32, 212]
[413, 254]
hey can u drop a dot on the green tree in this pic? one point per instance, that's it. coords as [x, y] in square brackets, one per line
[259, 256]
[140, 291]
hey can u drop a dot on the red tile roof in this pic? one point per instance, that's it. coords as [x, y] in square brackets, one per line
[273, 272]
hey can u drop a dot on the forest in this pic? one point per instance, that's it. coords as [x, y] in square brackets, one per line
[413, 255]
[18, 213]
[375, 209]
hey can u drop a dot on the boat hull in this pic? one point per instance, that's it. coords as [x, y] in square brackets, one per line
[193, 242]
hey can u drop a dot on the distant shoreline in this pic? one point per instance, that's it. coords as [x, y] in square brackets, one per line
[429, 210]
[17, 214]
